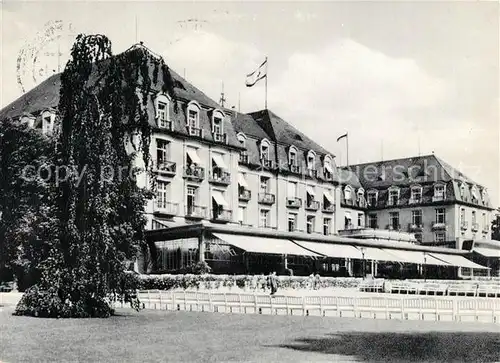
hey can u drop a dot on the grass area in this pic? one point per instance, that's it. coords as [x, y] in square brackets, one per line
[154, 336]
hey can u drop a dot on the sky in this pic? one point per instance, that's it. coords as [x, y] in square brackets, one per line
[402, 78]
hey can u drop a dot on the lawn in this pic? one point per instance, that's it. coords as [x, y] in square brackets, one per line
[154, 336]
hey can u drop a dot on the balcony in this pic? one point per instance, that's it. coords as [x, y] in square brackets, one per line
[243, 157]
[439, 226]
[312, 206]
[220, 177]
[195, 131]
[267, 198]
[438, 198]
[196, 211]
[267, 163]
[245, 195]
[223, 215]
[328, 208]
[218, 137]
[474, 227]
[415, 200]
[166, 208]
[296, 169]
[194, 173]
[166, 168]
[415, 227]
[393, 227]
[464, 225]
[293, 202]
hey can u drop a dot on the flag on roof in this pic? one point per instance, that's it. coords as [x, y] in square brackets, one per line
[257, 75]
[341, 137]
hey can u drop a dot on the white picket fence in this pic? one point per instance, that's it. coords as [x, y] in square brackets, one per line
[386, 307]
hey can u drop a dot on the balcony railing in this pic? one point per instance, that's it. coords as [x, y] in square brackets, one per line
[415, 201]
[223, 215]
[328, 208]
[293, 202]
[245, 195]
[267, 163]
[295, 168]
[167, 208]
[196, 173]
[166, 167]
[220, 177]
[474, 227]
[243, 157]
[312, 205]
[464, 225]
[438, 198]
[218, 137]
[439, 226]
[267, 198]
[195, 131]
[415, 227]
[393, 227]
[196, 211]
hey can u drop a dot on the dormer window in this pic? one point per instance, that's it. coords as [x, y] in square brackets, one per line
[28, 119]
[48, 119]
[393, 196]
[372, 198]
[484, 196]
[462, 191]
[474, 194]
[439, 192]
[264, 150]
[242, 139]
[361, 197]
[416, 194]
[311, 160]
[292, 156]
[327, 166]
[347, 193]
[218, 126]
[163, 111]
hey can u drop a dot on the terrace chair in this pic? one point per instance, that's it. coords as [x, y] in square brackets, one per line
[488, 290]
[479, 307]
[263, 302]
[462, 290]
[295, 303]
[248, 301]
[345, 304]
[312, 303]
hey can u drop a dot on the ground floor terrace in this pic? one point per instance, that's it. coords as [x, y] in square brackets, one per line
[234, 249]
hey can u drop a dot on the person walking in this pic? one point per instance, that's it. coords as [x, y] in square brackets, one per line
[273, 282]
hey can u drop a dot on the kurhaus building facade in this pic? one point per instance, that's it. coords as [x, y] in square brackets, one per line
[251, 193]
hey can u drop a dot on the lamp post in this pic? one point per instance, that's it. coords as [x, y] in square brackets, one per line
[424, 266]
[363, 267]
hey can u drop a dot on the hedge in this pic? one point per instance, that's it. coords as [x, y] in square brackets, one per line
[209, 281]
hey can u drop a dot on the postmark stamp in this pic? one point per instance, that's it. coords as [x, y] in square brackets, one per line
[45, 54]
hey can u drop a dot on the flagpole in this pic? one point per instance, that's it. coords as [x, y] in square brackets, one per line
[267, 68]
[347, 146]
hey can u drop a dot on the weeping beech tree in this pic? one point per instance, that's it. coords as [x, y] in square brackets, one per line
[98, 205]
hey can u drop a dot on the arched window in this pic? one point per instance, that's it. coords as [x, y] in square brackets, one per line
[474, 194]
[193, 115]
[348, 192]
[328, 167]
[311, 160]
[292, 156]
[162, 106]
[218, 122]
[28, 119]
[242, 139]
[265, 150]
[48, 119]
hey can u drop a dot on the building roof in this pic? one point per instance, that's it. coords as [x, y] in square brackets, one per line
[348, 177]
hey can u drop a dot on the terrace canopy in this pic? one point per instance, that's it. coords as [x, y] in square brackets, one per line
[458, 261]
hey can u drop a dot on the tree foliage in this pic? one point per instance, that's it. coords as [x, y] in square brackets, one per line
[104, 134]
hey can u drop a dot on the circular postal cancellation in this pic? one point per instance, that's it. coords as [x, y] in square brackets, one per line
[45, 54]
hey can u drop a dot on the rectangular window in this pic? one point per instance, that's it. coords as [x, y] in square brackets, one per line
[485, 222]
[264, 152]
[161, 151]
[193, 118]
[372, 199]
[264, 184]
[439, 236]
[310, 224]
[473, 217]
[462, 215]
[264, 218]
[161, 194]
[372, 221]
[361, 220]
[394, 220]
[292, 222]
[440, 215]
[393, 197]
[416, 217]
[293, 159]
[162, 114]
[327, 222]
[217, 125]
[439, 191]
[416, 195]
